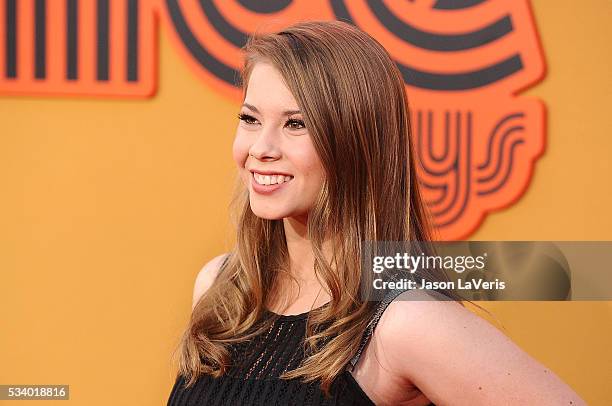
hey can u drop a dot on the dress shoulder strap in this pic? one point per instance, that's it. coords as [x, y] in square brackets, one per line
[384, 303]
[227, 257]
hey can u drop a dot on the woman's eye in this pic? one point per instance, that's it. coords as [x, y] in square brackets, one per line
[295, 124]
[247, 118]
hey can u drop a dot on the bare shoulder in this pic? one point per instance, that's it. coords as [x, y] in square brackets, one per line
[206, 277]
[423, 307]
[456, 357]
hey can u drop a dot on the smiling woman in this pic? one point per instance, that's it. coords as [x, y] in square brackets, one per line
[324, 155]
[272, 143]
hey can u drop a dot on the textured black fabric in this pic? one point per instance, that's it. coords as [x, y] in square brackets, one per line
[253, 378]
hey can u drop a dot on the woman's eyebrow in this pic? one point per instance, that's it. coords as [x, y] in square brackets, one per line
[285, 113]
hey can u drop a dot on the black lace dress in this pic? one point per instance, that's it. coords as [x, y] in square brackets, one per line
[254, 378]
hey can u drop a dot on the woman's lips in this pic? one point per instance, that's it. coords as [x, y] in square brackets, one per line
[266, 189]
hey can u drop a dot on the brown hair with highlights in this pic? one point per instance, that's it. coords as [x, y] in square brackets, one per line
[355, 107]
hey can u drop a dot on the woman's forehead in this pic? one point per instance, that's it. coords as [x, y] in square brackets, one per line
[267, 91]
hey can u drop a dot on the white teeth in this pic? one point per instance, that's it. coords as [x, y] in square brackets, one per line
[271, 179]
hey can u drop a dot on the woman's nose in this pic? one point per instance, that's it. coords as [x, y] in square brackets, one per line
[265, 145]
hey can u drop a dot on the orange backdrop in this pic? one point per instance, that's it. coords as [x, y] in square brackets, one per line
[109, 209]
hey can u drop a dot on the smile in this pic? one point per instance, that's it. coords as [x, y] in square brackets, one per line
[270, 183]
[271, 179]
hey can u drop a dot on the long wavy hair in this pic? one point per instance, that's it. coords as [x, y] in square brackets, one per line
[354, 103]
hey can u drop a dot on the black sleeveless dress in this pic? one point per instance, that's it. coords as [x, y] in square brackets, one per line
[253, 378]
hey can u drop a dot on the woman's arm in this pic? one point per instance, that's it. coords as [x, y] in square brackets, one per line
[457, 358]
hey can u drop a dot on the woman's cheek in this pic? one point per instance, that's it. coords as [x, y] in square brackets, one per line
[240, 156]
[240, 151]
[312, 169]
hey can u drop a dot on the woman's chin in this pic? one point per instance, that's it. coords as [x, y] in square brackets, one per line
[268, 214]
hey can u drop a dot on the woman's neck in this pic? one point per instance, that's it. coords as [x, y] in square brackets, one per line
[301, 267]
[300, 249]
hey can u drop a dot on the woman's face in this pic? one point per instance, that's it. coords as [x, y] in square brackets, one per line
[274, 151]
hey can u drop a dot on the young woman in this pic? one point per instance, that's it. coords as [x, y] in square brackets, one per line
[324, 157]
